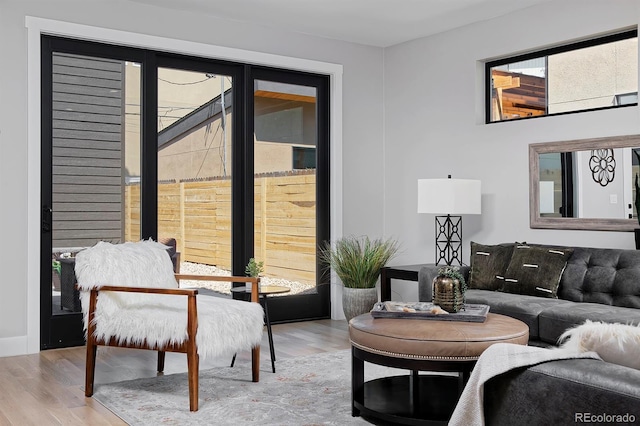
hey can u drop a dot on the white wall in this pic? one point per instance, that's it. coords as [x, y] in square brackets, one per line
[434, 125]
[361, 114]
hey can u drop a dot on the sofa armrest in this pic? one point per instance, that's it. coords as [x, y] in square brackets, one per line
[579, 387]
[425, 280]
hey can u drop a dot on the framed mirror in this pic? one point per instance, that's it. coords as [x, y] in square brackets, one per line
[587, 184]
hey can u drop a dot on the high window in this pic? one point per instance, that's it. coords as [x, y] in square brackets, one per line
[594, 74]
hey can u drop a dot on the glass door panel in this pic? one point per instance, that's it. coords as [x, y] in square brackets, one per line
[194, 170]
[285, 147]
[94, 147]
[132, 156]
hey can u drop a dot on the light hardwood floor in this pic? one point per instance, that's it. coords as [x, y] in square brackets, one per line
[48, 388]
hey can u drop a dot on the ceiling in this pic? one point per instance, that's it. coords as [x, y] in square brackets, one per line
[379, 23]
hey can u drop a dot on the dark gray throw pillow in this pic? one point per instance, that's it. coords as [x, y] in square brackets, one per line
[536, 271]
[488, 265]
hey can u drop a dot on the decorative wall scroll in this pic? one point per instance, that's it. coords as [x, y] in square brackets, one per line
[603, 166]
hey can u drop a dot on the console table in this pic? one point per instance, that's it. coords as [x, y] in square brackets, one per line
[405, 272]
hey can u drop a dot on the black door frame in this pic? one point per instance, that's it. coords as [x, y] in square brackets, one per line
[300, 306]
[61, 330]
[66, 330]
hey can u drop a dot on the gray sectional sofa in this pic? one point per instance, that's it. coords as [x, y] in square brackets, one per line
[596, 284]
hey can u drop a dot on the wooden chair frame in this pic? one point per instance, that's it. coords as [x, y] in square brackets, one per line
[188, 347]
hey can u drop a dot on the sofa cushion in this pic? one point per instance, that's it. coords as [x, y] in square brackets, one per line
[555, 321]
[522, 307]
[605, 276]
[535, 271]
[488, 265]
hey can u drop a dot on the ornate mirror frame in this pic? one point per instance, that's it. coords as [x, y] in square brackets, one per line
[630, 141]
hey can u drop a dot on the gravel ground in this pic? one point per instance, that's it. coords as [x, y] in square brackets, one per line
[225, 287]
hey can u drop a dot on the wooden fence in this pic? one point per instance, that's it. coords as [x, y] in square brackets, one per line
[198, 216]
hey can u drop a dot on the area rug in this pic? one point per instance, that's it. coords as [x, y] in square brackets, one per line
[310, 390]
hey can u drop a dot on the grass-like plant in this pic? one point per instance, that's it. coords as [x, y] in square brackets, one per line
[358, 260]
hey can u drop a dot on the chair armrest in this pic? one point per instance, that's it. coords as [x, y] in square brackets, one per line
[255, 281]
[174, 291]
[192, 309]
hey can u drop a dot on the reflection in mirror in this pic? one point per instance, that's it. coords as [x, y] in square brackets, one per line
[585, 184]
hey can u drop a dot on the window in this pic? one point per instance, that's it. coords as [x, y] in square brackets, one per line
[304, 158]
[594, 74]
[627, 99]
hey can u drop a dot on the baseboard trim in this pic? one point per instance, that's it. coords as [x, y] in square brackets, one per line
[12, 346]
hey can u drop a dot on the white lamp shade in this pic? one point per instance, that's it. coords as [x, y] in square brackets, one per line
[449, 196]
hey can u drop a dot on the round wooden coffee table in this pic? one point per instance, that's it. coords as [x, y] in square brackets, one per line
[420, 345]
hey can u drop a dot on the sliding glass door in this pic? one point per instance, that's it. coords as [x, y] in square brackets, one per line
[87, 134]
[290, 179]
[226, 161]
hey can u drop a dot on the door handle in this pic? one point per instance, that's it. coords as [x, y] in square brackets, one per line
[47, 217]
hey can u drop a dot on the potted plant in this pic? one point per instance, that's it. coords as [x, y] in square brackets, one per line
[357, 262]
[253, 269]
[55, 276]
[449, 288]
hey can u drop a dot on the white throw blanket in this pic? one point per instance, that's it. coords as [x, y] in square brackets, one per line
[498, 359]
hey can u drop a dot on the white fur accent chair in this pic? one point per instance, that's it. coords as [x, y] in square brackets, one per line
[130, 298]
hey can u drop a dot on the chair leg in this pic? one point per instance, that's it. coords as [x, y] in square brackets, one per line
[90, 368]
[255, 364]
[192, 371]
[233, 360]
[161, 355]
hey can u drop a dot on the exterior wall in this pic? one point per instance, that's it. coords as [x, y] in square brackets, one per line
[132, 124]
[197, 154]
[179, 93]
[590, 78]
[86, 151]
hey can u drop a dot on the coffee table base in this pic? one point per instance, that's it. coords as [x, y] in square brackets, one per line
[393, 399]
[414, 399]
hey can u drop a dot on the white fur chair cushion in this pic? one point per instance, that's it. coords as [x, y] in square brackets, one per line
[615, 343]
[225, 326]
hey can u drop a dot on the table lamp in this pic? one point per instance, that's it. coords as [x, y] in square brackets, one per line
[450, 197]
